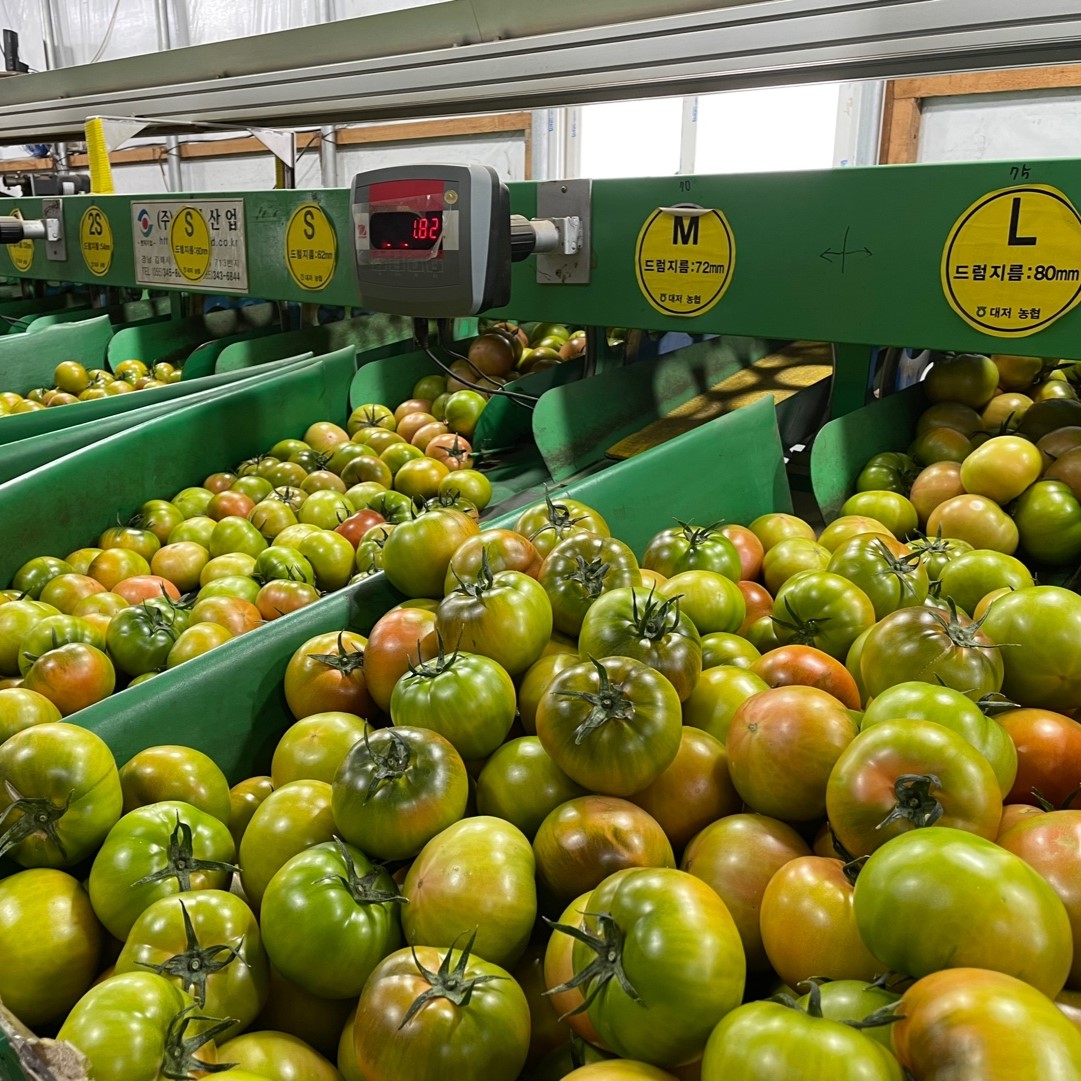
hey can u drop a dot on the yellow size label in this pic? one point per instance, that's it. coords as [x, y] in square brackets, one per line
[684, 259]
[189, 241]
[1012, 263]
[22, 254]
[311, 248]
[96, 241]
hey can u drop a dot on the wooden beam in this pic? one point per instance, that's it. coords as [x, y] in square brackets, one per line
[903, 133]
[1065, 76]
[452, 127]
[410, 131]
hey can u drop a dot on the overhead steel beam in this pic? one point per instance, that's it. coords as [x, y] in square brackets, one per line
[773, 42]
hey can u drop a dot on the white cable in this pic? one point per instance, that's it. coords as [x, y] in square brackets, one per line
[108, 34]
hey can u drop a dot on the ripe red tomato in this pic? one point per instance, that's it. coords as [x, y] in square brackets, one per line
[748, 547]
[402, 637]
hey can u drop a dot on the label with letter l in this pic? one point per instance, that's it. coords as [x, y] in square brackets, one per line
[1012, 263]
[684, 259]
[194, 244]
[96, 241]
[311, 247]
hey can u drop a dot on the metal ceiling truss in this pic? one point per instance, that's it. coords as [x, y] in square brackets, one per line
[771, 42]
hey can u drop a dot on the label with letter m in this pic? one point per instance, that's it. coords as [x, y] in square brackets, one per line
[684, 259]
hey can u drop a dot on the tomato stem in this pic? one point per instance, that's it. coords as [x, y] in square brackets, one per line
[363, 889]
[389, 766]
[197, 963]
[179, 1061]
[36, 815]
[915, 802]
[607, 704]
[346, 662]
[180, 860]
[607, 965]
[590, 575]
[450, 983]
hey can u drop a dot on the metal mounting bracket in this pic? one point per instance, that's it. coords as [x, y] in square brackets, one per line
[56, 248]
[566, 204]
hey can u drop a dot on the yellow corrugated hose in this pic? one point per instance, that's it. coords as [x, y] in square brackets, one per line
[101, 172]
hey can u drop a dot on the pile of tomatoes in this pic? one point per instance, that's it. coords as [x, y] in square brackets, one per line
[996, 459]
[749, 804]
[72, 383]
[216, 560]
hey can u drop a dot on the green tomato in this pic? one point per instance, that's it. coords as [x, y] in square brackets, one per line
[329, 916]
[892, 509]
[233, 585]
[325, 509]
[61, 795]
[236, 534]
[331, 557]
[283, 563]
[918, 701]
[673, 994]
[969, 577]
[140, 1027]
[198, 530]
[937, 897]
[53, 632]
[51, 944]
[468, 699]
[192, 502]
[35, 574]
[139, 639]
[148, 855]
[761, 1041]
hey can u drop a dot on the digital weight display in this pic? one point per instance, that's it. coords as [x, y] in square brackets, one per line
[403, 230]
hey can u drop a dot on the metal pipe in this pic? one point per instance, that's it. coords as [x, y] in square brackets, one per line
[174, 177]
[328, 156]
[53, 60]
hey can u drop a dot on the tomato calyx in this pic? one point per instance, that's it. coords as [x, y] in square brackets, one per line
[697, 534]
[606, 966]
[36, 815]
[180, 860]
[560, 519]
[657, 617]
[915, 802]
[179, 1062]
[901, 567]
[197, 963]
[363, 889]
[483, 581]
[996, 702]
[345, 662]
[803, 632]
[450, 983]
[958, 633]
[884, 1015]
[607, 704]
[434, 666]
[590, 574]
[389, 766]
[368, 418]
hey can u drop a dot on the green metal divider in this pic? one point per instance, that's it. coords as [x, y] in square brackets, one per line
[15, 314]
[175, 338]
[23, 455]
[842, 447]
[375, 335]
[88, 490]
[133, 312]
[28, 361]
[574, 425]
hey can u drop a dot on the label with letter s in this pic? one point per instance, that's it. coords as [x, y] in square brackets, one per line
[311, 247]
[1012, 262]
[199, 244]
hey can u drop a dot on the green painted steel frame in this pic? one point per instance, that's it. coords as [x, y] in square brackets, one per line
[894, 221]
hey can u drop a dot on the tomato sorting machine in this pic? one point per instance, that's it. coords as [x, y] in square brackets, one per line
[856, 257]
